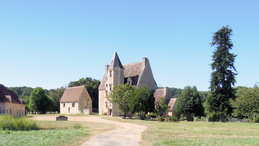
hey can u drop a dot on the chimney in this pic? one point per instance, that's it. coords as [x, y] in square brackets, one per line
[106, 68]
[144, 61]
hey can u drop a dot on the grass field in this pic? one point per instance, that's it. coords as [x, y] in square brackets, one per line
[54, 133]
[197, 133]
[157, 133]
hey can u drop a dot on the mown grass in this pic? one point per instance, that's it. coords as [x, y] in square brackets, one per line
[196, 133]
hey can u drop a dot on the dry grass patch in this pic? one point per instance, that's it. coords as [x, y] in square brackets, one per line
[197, 133]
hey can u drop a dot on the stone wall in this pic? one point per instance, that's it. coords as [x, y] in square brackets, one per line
[68, 108]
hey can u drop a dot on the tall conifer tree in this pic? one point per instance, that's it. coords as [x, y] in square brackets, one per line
[223, 76]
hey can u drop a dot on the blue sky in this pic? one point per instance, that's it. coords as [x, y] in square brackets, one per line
[50, 43]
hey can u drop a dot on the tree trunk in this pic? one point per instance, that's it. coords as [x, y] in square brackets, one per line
[222, 117]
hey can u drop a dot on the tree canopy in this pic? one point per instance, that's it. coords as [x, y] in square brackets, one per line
[189, 104]
[161, 107]
[39, 102]
[223, 76]
[142, 101]
[246, 104]
[120, 96]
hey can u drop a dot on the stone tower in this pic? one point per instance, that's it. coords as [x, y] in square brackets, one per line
[115, 73]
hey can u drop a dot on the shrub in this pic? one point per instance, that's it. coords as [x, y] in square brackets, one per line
[8, 122]
[256, 120]
[203, 119]
[151, 115]
[78, 126]
[161, 119]
[196, 119]
[173, 119]
[105, 114]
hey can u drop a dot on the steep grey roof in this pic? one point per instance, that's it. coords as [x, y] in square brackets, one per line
[159, 93]
[7, 95]
[133, 69]
[102, 85]
[116, 63]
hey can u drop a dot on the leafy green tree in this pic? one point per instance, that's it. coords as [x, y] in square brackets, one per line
[223, 76]
[23, 92]
[246, 104]
[39, 102]
[55, 95]
[175, 92]
[161, 107]
[120, 95]
[189, 103]
[142, 101]
[91, 86]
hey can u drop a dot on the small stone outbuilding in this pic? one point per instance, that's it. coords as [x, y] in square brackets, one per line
[76, 100]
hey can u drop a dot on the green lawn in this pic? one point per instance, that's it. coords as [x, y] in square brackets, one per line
[41, 137]
[197, 133]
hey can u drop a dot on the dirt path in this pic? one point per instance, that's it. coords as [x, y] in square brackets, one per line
[125, 134]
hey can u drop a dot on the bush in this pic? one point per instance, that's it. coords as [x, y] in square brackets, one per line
[173, 119]
[151, 115]
[161, 119]
[256, 120]
[8, 122]
[203, 119]
[78, 126]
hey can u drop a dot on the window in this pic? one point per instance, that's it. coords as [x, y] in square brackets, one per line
[110, 73]
[64, 105]
[73, 104]
[110, 87]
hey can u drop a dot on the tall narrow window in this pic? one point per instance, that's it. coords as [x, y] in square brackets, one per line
[110, 73]
[73, 104]
[64, 104]
[110, 87]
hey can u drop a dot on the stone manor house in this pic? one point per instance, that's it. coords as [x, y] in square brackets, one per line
[136, 74]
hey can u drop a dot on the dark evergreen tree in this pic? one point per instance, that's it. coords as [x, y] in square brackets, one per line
[218, 105]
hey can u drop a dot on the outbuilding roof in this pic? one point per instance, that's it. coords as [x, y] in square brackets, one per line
[172, 103]
[72, 94]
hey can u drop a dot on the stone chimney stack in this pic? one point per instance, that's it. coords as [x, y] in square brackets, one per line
[106, 68]
[144, 61]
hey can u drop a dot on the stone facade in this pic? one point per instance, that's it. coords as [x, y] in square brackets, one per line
[136, 74]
